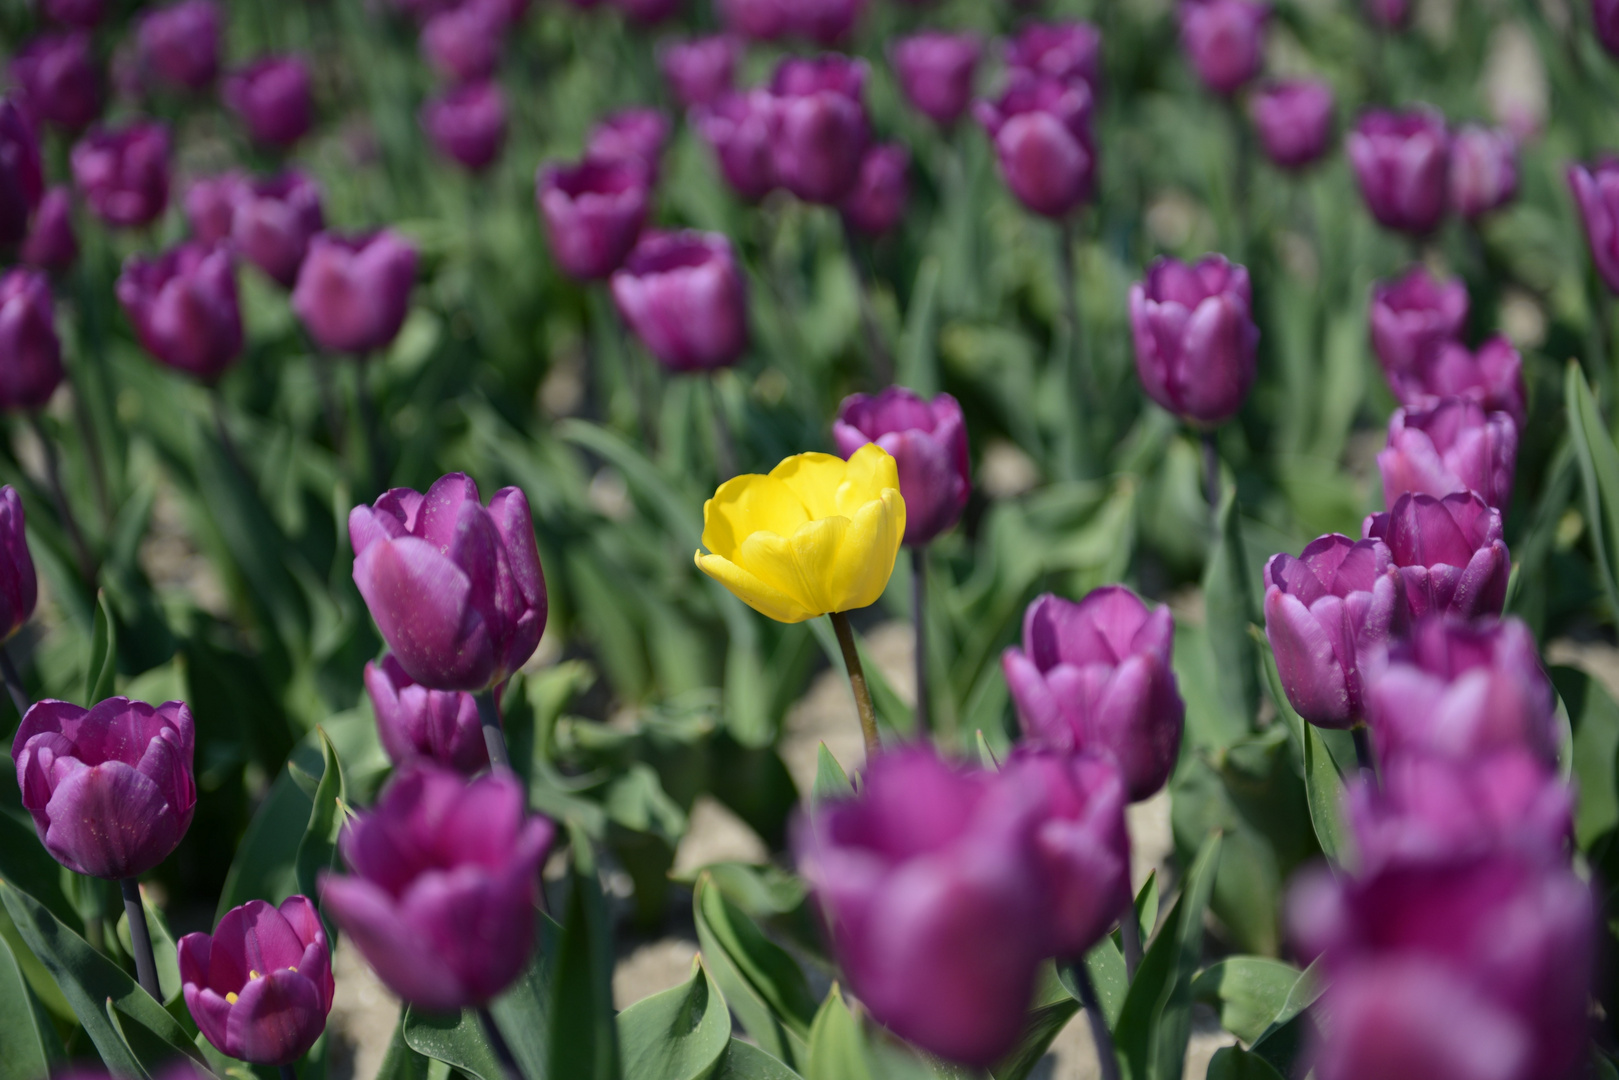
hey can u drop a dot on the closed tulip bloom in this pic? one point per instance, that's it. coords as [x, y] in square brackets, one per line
[1041, 129]
[19, 587]
[60, 79]
[593, 212]
[1402, 163]
[443, 885]
[935, 71]
[1195, 337]
[816, 535]
[273, 98]
[274, 220]
[826, 22]
[184, 309]
[702, 70]
[1294, 121]
[463, 43]
[758, 20]
[353, 292]
[1492, 377]
[123, 173]
[685, 299]
[415, 722]
[468, 124]
[455, 587]
[51, 243]
[877, 202]
[260, 986]
[1389, 14]
[110, 789]
[635, 135]
[1483, 170]
[1596, 193]
[1069, 51]
[210, 206]
[30, 354]
[822, 133]
[928, 442]
[1605, 16]
[80, 13]
[1450, 446]
[741, 130]
[180, 43]
[1224, 40]
[1449, 552]
[1410, 317]
[22, 182]
[646, 12]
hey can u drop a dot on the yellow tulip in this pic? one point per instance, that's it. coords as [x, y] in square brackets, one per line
[817, 535]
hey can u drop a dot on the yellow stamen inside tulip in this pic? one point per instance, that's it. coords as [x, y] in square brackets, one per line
[230, 999]
[251, 974]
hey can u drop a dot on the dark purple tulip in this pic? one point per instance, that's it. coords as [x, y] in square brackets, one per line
[1389, 14]
[635, 135]
[741, 130]
[822, 127]
[260, 987]
[758, 20]
[684, 297]
[463, 43]
[1065, 51]
[274, 220]
[22, 182]
[592, 213]
[935, 72]
[1492, 376]
[1096, 676]
[1402, 163]
[51, 243]
[1449, 553]
[30, 354]
[1326, 611]
[445, 877]
[60, 79]
[455, 587]
[273, 98]
[1483, 170]
[180, 43]
[906, 871]
[123, 173]
[1605, 15]
[210, 206]
[702, 70]
[468, 124]
[184, 308]
[1596, 192]
[1452, 445]
[80, 13]
[826, 22]
[110, 788]
[1195, 337]
[877, 202]
[1294, 121]
[1410, 317]
[19, 587]
[1041, 128]
[1224, 40]
[353, 292]
[928, 442]
[646, 12]
[415, 722]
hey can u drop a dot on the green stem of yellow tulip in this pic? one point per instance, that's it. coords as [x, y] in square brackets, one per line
[857, 680]
[494, 739]
[140, 938]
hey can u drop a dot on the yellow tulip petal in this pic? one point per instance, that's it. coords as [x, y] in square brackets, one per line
[773, 560]
[759, 596]
[815, 479]
[870, 471]
[818, 549]
[870, 548]
[748, 504]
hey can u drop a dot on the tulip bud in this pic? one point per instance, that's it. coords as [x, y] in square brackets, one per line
[110, 788]
[463, 43]
[51, 243]
[1325, 612]
[60, 79]
[180, 43]
[1410, 318]
[1096, 676]
[1492, 377]
[30, 355]
[1596, 193]
[1224, 40]
[1605, 16]
[1043, 142]
[877, 202]
[1450, 446]
[758, 20]
[1402, 163]
[22, 182]
[634, 135]
[468, 124]
[273, 223]
[646, 12]
[83, 14]
[1294, 121]
[1448, 551]
[455, 588]
[1389, 14]
[928, 442]
[273, 98]
[19, 587]
[1065, 51]
[1483, 170]
[683, 296]
[415, 722]
[1195, 337]
[261, 986]
[700, 71]
[444, 881]
[741, 130]
[935, 72]
[210, 206]
[353, 292]
[123, 173]
[823, 130]
[184, 309]
[592, 213]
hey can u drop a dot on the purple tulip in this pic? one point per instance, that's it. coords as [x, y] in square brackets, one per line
[180, 43]
[1326, 611]
[1410, 317]
[935, 72]
[906, 871]
[1294, 121]
[1389, 14]
[19, 587]
[456, 588]
[123, 173]
[1596, 192]
[1066, 51]
[876, 204]
[184, 308]
[468, 124]
[30, 354]
[210, 206]
[593, 213]
[60, 79]
[1224, 40]
[1605, 16]
[51, 243]
[646, 12]
[741, 130]
[1492, 377]
[1043, 142]
[685, 299]
[463, 43]
[635, 135]
[444, 883]
[702, 70]
[415, 722]
[353, 292]
[260, 987]
[1195, 337]
[273, 98]
[83, 14]
[1449, 552]
[1483, 170]
[1402, 163]
[826, 22]
[927, 440]
[273, 222]
[1453, 445]
[22, 182]
[1096, 676]
[822, 127]
[758, 20]
[110, 788]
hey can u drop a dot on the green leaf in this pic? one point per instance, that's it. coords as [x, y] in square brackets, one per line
[457, 1039]
[1248, 991]
[678, 1034]
[584, 1039]
[401, 1062]
[1054, 1006]
[1599, 470]
[743, 1061]
[837, 1046]
[1323, 787]
[317, 850]
[102, 670]
[26, 864]
[761, 982]
[523, 1012]
[1235, 1063]
[266, 863]
[986, 756]
[831, 782]
[1228, 601]
[31, 1043]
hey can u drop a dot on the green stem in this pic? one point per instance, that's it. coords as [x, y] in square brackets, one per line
[1130, 936]
[140, 938]
[1364, 756]
[1106, 1056]
[919, 590]
[14, 687]
[857, 680]
[494, 739]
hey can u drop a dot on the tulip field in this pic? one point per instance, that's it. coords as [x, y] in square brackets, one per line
[1109, 510]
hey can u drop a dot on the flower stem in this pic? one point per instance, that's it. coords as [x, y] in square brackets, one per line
[1211, 473]
[494, 739]
[1105, 1054]
[289, 1073]
[140, 938]
[368, 420]
[724, 443]
[497, 1043]
[1363, 750]
[53, 479]
[919, 590]
[857, 680]
[1130, 937]
[882, 364]
[14, 686]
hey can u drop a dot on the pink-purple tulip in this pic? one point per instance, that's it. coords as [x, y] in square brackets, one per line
[701, 70]
[1491, 376]
[822, 130]
[1068, 51]
[1389, 14]
[19, 586]
[353, 292]
[110, 789]
[758, 20]
[1411, 317]
[935, 71]
[741, 130]
[826, 22]
[1096, 676]
[1605, 16]
[634, 135]
[51, 243]
[1041, 128]
[273, 221]
[1453, 445]
[184, 309]
[1449, 553]
[1294, 121]
[684, 297]
[1195, 337]
[928, 442]
[646, 12]
[80, 13]
[593, 212]
[1224, 40]
[877, 202]
[468, 124]
[1596, 193]
[30, 353]
[22, 182]
[260, 986]
[463, 43]
[60, 79]
[273, 98]
[123, 173]
[1483, 170]
[210, 206]
[1402, 163]
[415, 722]
[180, 43]
[445, 877]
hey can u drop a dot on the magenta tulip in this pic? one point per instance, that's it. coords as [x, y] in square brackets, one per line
[1596, 193]
[30, 353]
[463, 43]
[877, 202]
[415, 722]
[1450, 446]
[123, 173]
[1483, 170]
[685, 298]
[273, 98]
[646, 12]
[593, 212]
[180, 43]
[758, 20]
[1410, 318]
[741, 130]
[19, 586]
[1605, 17]
[273, 222]
[52, 243]
[210, 206]
[822, 127]
[353, 292]
[1449, 553]
[60, 79]
[1402, 163]
[184, 309]
[22, 182]
[935, 71]
[1294, 121]
[1041, 128]
[700, 71]
[1492, 377]
[928, 442]
[83, 14]
[633, 135]
[1224, 40]
[1066, 51]
[468, 124]
[826, 22]
[1195, 337]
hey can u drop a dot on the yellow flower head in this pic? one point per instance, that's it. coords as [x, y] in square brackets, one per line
[819, 534]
